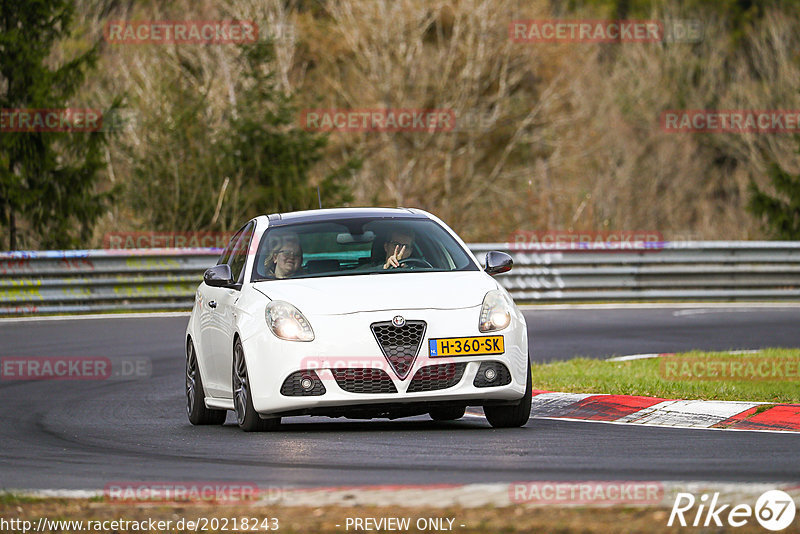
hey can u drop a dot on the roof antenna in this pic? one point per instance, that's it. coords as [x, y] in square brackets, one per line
[319, 197]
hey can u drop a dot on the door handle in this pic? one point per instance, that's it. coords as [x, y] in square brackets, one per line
[212, 303]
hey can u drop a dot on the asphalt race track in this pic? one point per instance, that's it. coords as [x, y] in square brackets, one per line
[564, 334]
[86, 434]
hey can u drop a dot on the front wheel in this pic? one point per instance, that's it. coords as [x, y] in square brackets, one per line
[195, 395]
[514, 415]
[246, 415]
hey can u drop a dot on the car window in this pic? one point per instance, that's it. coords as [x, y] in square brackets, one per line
[238, 256]
[226, 253]
[356, 247]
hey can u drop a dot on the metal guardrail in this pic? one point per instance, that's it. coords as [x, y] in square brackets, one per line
[166, 279]
[101, 280]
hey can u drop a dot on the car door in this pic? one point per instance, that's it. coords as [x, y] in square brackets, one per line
[224, 304]
[208, 325]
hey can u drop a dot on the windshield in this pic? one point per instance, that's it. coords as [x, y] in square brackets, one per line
[358, 247]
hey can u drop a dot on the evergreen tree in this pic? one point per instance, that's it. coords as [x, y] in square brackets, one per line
[47, 179]
[256, 159]
[782, 212]
[271, 151]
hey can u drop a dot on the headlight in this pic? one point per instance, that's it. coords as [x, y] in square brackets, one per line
[287, 322]
[495, 312]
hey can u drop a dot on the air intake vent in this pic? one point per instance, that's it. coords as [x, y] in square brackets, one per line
[364, 380]
[435, 377]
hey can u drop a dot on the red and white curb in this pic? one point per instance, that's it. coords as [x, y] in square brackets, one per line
[727, 415]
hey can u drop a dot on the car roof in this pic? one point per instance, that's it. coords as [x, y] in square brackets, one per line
[295, 217]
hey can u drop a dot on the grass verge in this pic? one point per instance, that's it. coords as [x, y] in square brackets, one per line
[771, 375]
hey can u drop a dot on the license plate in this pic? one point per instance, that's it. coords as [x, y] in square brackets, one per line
[465, 346]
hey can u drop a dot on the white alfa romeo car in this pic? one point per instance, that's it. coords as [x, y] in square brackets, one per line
[358, 313]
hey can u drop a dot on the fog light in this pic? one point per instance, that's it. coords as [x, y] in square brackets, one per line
[490, 374]
[307, 384]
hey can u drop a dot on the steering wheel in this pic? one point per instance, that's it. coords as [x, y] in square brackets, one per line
[412, 262]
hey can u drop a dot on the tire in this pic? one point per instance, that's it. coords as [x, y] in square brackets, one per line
[246, 415]
[448, 413]
[515, 415]
[195, 394]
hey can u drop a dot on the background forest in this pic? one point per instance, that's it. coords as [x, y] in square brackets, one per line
[549, 136]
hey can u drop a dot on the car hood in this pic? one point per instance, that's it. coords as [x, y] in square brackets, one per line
[337, 295]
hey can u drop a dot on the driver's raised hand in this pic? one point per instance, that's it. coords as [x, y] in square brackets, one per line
[393, 261]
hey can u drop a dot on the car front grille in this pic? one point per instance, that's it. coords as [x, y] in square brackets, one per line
[399, 344]
[364, 380]
[435, 377]
[292, 385]
[502, 376]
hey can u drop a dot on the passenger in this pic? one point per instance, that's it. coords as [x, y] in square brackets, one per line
[286, 258]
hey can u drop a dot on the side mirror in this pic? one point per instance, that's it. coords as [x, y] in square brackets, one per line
[498, 262]
[218, 276]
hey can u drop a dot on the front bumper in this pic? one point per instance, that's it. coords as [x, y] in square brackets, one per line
[346, 341]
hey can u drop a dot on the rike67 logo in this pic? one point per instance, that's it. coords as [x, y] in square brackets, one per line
[774, 510]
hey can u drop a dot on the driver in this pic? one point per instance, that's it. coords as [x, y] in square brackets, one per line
[397, 248]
